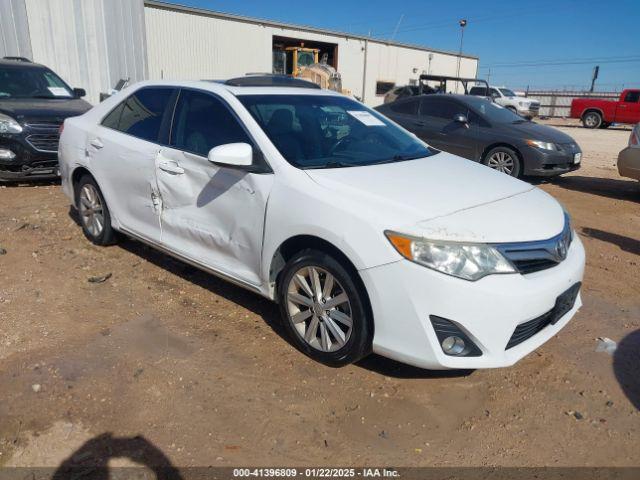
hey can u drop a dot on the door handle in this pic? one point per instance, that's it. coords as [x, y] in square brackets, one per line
[171, 167]
[96, 143]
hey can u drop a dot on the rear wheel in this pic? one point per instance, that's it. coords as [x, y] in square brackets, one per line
[592, 120]
[503, 159]
[324, 309]
[93, 212]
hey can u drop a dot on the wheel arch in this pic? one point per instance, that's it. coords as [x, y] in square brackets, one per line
[292, 245]
[594, 110]
[490, 147]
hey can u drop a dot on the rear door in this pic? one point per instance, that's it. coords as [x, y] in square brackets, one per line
[404, 112]
[628, 110]
[210, 214]
[438, 127]
[122, 150]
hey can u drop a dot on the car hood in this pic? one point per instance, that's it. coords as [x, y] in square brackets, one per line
[43, 108]
[535, 131]
[444, 197]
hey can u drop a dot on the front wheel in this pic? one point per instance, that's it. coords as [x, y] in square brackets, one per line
[324, 309]
[94, 214]
[592, 120]
[503, 159]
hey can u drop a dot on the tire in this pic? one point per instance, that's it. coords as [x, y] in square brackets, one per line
[605, 125]
[505, 160]
[312, 314]
[93, 212]
[513, 109]
[592, 120]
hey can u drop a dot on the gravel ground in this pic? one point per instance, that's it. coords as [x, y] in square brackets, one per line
[161, 363]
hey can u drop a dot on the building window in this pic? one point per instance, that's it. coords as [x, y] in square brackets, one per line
[383, 87]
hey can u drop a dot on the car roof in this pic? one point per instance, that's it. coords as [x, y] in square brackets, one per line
[218, 86]
[4, 62]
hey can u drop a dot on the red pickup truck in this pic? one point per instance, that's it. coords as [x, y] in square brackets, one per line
[597, 113]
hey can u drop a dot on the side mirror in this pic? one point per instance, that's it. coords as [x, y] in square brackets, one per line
[79, 92]
[460, 118]
[232, 155]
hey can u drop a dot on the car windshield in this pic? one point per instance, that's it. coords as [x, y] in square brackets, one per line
[507, 93]
[31, 82]
[327, 131]
[492, 111]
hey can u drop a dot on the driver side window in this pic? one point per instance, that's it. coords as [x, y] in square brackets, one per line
[202, 122]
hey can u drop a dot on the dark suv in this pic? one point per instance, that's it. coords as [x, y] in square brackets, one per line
[34, 102]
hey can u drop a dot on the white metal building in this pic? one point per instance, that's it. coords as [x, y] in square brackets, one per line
[94, 43]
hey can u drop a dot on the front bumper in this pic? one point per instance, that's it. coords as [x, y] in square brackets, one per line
[404, 295]
[629, 163]
[29, 163]
[547, 163]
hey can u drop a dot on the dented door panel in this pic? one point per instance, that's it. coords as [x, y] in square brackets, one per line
[126, 167]
[213, 215]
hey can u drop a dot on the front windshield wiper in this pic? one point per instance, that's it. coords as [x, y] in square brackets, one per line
[399, 158]
[329, 165]
[521, 120]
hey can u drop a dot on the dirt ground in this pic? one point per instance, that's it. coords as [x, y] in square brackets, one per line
[163, 362]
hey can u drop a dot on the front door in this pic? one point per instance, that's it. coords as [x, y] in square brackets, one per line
[122, 150]
[210, 214]
[439, 128]
[628, 110]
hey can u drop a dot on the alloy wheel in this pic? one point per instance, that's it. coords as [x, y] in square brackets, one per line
[319, 309]
[591, 120]
[501, 161]
[91, 210]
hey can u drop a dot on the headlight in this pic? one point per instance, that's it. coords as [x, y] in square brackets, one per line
[9, 125]
[523, 104]
[542, 145]
[468, 261]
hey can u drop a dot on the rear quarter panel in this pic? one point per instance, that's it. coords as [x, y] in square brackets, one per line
[607, 108]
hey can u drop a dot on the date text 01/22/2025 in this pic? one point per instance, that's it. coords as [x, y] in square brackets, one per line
[315, 472]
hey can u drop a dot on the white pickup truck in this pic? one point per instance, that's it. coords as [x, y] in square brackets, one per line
[523, 106]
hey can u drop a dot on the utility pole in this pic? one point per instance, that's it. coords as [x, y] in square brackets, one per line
[489, 76]
[596, 70]
[462, 23]
[395, 30]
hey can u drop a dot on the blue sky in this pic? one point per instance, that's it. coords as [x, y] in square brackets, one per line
[575, 35]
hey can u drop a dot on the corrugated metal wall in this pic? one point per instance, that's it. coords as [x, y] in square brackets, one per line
[14, 29]
[191, 45]
[90, 43]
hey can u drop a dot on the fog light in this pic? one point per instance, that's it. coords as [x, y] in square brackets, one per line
[6, 154]
[453, 340]
[453, 345]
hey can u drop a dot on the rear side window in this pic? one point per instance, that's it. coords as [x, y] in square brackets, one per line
[409, 107]
[632, 97]
[141, 114]
[202, 122]
[441, 108]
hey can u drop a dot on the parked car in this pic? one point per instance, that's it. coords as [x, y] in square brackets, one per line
[599, 113]
[367, 238]
[524, 106]
[34, 101]
[478, 129]
[629, 158]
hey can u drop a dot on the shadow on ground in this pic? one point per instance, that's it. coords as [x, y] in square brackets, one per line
[625, 243]
[91, 460]
[605, 187]
[29, 183]
[626, 366]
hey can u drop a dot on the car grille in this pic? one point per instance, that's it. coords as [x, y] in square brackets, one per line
[530, 257]
[534, 106]
[44, 136]
[526, 330]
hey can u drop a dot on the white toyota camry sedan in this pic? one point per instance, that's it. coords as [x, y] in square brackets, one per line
[367, 238]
